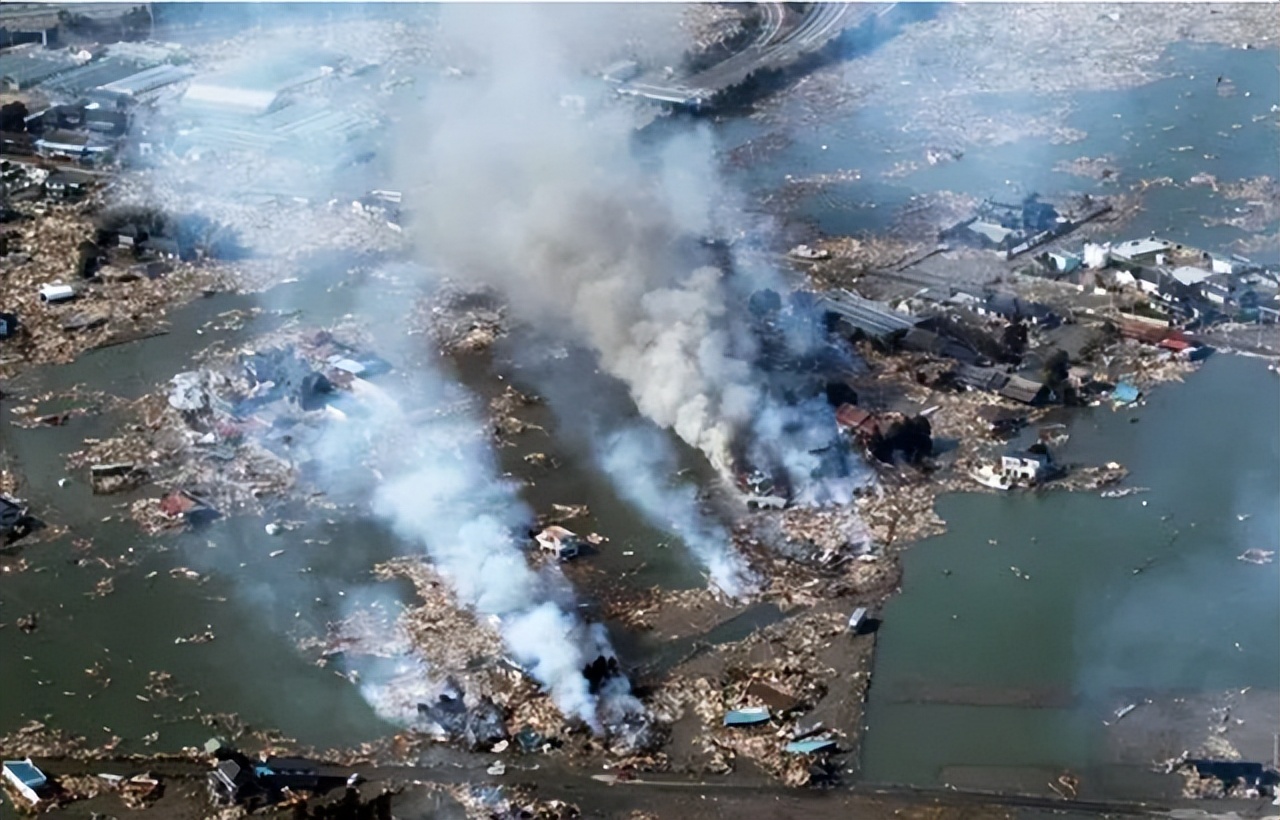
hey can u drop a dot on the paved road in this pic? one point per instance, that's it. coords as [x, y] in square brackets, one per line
[781, 41]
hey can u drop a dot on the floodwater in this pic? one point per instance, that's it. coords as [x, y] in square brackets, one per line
[984, 678]
[256, 605]
[1175, 127]
[1082, 633]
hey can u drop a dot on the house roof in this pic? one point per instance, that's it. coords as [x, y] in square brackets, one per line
[1010, 306]
[771, 696]
[1140, 247]
[1020, 389]
[925, 341]
[847, 415]
[990, 230]
[981, 378]
[1027, 455]
[1188, 275]
[746, 717]
[1125, 393]
[804, 747]
[26, 773]
[65, 177]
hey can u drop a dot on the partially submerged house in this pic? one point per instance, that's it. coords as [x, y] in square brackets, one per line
[560, 542]
[1001, 421]
[26, 779]
[1026, 466]
[237, 779]
[13, 518]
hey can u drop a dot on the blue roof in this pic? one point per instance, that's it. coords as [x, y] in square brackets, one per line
[1125, 393]
[26, 771]
[747, 717]
[805, 747]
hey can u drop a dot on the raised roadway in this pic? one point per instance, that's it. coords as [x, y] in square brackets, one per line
[784, 37]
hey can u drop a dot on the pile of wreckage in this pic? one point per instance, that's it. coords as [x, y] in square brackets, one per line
[472, 693]
[226, 438]
[459, 319]
[66, 293]
[754, 708]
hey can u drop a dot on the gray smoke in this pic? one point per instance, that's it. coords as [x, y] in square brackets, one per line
[549, 204]
[513, 189]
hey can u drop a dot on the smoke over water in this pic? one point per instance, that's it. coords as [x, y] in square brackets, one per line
[638, 458]
[449, 498]
[550, 204]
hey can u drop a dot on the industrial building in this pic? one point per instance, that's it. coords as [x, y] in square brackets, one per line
[26, 66]
[257, 88]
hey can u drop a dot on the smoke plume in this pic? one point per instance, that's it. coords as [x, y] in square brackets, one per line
[448, 497]
[552, 205]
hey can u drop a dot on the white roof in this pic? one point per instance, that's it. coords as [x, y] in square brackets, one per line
[1188, 275]
[1139, 247]
[248, 100]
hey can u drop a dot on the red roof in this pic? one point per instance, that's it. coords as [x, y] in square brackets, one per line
[1173, 343]
[851, 417]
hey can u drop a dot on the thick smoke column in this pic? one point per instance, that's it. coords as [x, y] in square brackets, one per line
[551, 205]
[452, 501]
[511, 188]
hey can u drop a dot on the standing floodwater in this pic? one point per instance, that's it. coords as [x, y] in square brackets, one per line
[986, 678]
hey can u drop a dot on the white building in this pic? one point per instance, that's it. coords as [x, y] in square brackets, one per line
[1189, 276]
[560, 542]
[1027, 466]
[1142, 250]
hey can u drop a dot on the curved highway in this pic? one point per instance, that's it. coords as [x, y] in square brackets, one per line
[777, 45]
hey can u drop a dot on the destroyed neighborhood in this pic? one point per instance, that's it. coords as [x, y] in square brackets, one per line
[654, 410]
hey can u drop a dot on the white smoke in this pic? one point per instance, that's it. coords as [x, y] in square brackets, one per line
[641, 463]
[449, 498]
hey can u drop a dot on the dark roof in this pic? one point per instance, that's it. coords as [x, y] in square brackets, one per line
[924, 341]
[1011, 307]
[290, 765]
[981, 378]
[160, 245]
[771, 697]
[65, 177]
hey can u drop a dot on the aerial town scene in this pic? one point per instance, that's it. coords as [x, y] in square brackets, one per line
[640, 410]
